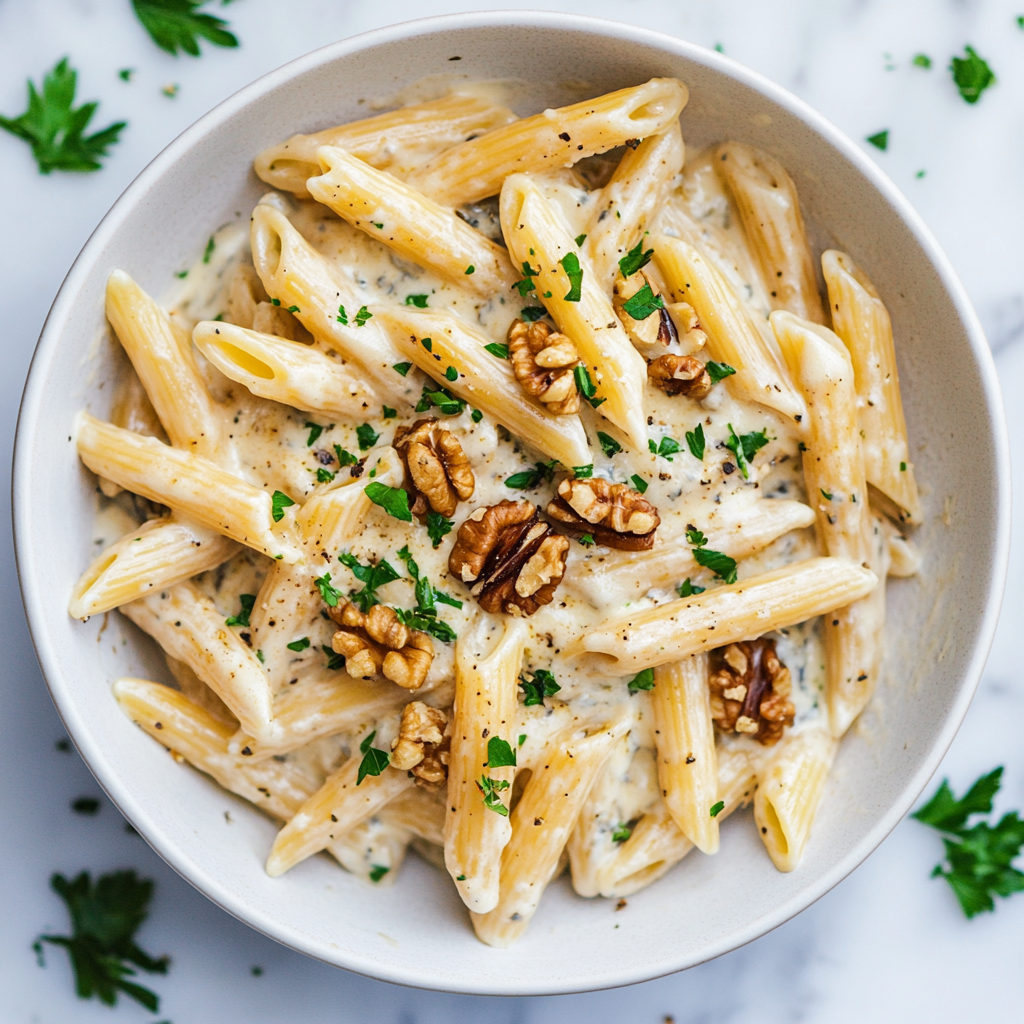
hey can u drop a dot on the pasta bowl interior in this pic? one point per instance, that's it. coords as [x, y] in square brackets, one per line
[548, 459]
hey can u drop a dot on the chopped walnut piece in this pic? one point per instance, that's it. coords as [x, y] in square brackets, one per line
[657, 328]
[438, 473]
[688, 331]
[680, 375]
[750, 691]
[377, 643]
[421, 745]
[511, 561]
[543, 361]
[613, 514]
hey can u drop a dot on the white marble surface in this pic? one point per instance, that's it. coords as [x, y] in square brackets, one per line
[888, 944]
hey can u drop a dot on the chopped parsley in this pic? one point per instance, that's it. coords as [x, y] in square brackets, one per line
[315, 430]
[580, 239]
[622, 833]
[374, 760]
[922, 60]
[720, 564]
[695, 442]
[498, 351]
[586, 540]
[442, 398]
[335, 661]
[880, 140]
[718, 371]
[470, 269]
[247, 602]
[666, 447]
[178, 25]
[362, 316]
[388, 413]
[717, 808]
[500, 754]
[642, 681]
[825, 494]
[641, 305]
[278, 503]
[330, 595]
[342, 318]
[402, 368]
[608, 444]
[745, 447]
[53, 127]
[259, 654]
[687, 589]
[424, 616]
[125, 74]
[531, 313]
[490, 790]
[585, 386]
[210, 246]
[377, 871]
[972, 75]
[541, 684]
[366, 436]
[978, 859]
[476, 415]
[635, 259]
[451, 373]
[437, 527]
[393, 500]
[524, 286]
[102, 947]
[298, 645]
[528, 479]
[371, 576]
[345, 458]
[639, 483]
[583, 472]
[324, 476]
[571, 265]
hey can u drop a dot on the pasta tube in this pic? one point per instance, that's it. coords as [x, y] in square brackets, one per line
[161, 353]
[627, 205]
[685, 739]
[724, 615]
[789, 790]
[770, 210]
[860, 318]
[438, 342]
[476, 827]
[395, 141]
[283, 371]
[414, 226]
[158, 554]
[538, 237]
[541, 823]
[834, 475]
[185, 623]
[277, 787]
[555, 138]
[733, 337]
[190, 484]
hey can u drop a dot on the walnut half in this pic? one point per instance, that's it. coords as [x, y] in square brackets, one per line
[613, 514]
[680, 375]
[421, 745]
[377, 643]
[543, 362]
[750, 691]
[511, 561]
[438, 474]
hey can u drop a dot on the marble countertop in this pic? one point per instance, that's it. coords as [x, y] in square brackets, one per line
[888, 944]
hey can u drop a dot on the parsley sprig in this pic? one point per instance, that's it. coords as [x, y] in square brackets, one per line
[424, 615]
[635, 259]
[53, 127]
[537, 685]
[978, 859]
[719, 563]
[745, 447]
[104, 920]
[374, 760]
[179, 24]
[528, 479]
[971, 74]
[371, 576]
[500, 754]
[247, 601]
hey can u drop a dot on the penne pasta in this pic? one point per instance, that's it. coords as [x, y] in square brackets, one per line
[684, 737]
[477, 827]
[414, 226]
[476, 169]
[283, 371]
[860, 318]
[538, 238]
[189, 484]
[159, 553]
[725, 615]
[396, 141]
[789, 789]
[733, 336]
[770, 210]
[438, 341]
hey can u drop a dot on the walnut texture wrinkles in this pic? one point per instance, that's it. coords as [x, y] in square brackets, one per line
[750, 690]
[543, 362]
[421, 745]
[377, 643]
[438, 474]
[680, 375]
[511, 561]
[613, 514]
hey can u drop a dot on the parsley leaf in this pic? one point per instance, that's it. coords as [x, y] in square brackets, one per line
[335, 661]
[586, 540]
[542, 684]
[641, 305]
[979, 859]
[345, 458]
[745, 447]
[366, 436]
[419, 301]
[718, 371]
[585, 386]
[342, 317]
[583, 472]
[972, 75]
[330, 595]
[442, 398]
[666, 448]
[500, 754]
[324, 476]
[529, 314]
[498, 351]
[402, 368]
[393, 500]
[687, 589]
[922, 60]
[608, 444]
[490, 790]
[437, 527]
[622, 833]
[642, 681]
[635, 259]
[374, 760]
[571, 265]
[639, 483]
[528, 479]
[717, 808]
[377, 871]
[362, 316]
[695, 442]
[719, 563]
[315, 430]
[175, 24]
[53, 127]
[424, 616]
[580, 239]
[880, 140]
[278, 503]
[298, 645]
[104, 920]
[371, 576]
[247, 602]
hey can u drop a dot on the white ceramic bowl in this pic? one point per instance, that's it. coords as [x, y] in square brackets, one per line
[940, 625]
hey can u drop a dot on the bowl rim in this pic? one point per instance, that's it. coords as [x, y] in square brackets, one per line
[58, 317]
